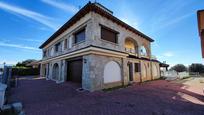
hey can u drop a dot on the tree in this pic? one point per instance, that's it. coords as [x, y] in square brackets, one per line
[179, 68]
[24, 63]
[196, 68]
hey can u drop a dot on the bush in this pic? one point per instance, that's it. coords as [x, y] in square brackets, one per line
[23, 71]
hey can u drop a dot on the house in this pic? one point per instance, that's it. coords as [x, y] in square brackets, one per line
[97, 50]
[200, 15]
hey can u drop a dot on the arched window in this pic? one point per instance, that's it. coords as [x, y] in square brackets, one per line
[112, 72]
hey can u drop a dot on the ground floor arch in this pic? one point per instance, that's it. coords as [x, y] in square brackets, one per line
[112, 72]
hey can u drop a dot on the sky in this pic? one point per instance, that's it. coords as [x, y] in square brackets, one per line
[26, 24]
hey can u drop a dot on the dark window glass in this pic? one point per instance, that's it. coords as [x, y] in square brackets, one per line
[80, 36]
[57, 47]
[109, 35]
[137, 67]
[65, 44]
[44, 53]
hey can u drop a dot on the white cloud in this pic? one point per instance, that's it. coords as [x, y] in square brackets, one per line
[174, 21]
[168, 54]
[18, 46]
[45, 20]
[31, 40]
[60, 5]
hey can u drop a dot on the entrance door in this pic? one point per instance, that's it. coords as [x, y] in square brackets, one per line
[75, 71]
[130, 71]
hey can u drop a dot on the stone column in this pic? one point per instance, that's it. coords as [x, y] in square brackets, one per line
[125, 71]
[86, 81]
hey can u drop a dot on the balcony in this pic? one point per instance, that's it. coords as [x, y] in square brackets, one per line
[131, 51]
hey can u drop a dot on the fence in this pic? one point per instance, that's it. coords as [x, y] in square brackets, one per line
[171, 75]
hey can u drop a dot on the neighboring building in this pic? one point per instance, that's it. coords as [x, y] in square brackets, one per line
[99, 51]
[200, 14]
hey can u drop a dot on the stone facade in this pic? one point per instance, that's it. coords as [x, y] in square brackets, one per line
[96, 54]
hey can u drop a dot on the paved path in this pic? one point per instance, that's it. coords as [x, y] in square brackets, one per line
[41, 97]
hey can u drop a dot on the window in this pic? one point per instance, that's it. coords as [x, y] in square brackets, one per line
[44, 53]
[65, 44]
[57, 47]
[109, 34]
[137, 67]
[79, 36]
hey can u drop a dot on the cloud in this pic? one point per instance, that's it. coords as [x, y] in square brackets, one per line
[174, 21]
[31, 40]
[60, 5]
[45, 20]
[169, 14]
[168, 54]
[18, 46]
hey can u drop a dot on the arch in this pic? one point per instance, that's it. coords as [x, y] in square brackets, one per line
[144, 70]
[131, 45]
[154, 71]
[55, 71]
[112, 72]
[143, 50]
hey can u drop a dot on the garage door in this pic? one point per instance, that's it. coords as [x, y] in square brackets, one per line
[75, 71]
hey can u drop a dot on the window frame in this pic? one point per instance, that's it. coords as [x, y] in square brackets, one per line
[57, 46]
[110, 30]
[65, 43]
[45, 53]
[77, 32]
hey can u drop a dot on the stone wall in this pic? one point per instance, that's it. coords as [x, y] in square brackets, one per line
[95, 69]
[123, 34]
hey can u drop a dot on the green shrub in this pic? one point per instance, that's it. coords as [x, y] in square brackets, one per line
[23, 71]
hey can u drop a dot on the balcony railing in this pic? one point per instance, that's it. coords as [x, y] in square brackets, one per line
[131, 51]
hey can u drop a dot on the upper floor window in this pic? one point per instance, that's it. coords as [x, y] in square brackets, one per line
[44, 53]
[65, 44]
[109, 34]
[79, 36]
[57, 47]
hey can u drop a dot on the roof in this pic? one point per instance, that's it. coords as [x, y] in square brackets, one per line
[97, 8]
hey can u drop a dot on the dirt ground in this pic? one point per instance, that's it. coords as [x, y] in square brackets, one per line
[160, 97]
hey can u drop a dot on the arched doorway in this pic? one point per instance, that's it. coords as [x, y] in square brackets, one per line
[112, 72]
[154, 71]
[131, 46]
[55, 71]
